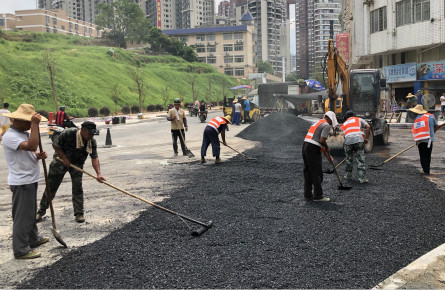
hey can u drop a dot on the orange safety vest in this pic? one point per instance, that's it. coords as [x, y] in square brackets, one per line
[216, 122]
[421, 128]
[311, 132]
[352, 127]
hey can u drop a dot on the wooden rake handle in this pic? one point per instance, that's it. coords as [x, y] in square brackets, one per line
[391, 158]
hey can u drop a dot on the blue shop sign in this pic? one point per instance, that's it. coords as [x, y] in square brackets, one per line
[431, 70]
[400, 73]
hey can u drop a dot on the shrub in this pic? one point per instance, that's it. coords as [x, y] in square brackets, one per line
[125, 110]
[135, 109]
[151, 108]
[104, 111]
[92, 112]
[43, 113]
[159, 108]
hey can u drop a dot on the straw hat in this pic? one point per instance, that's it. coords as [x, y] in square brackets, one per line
[235, 101]
[24, 113]
[410, 96]
[243, 98]
[227, 118]
[418, 110]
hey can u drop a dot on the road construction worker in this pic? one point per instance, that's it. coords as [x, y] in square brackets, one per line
[356, 136]
[424, 127]
[246, 106]
[216, 126]
[176, 116]
[313, 145]
[411, 101]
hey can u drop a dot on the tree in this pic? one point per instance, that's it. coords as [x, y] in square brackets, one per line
[138, 78]
[265, 66]
[192, 80]
[115, 96]
[165, 96]
[49, 60]
[123, 17]
[291, 78]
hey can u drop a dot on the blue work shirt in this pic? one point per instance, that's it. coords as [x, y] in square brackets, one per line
[247, 103]
[431, 123]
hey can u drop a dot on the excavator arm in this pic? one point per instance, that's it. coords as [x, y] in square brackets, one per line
[337, 70]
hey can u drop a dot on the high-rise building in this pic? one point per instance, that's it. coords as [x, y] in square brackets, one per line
[180, 14]
[312, 18]
[270, 17]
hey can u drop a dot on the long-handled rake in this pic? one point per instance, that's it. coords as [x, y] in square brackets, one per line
[55, 232]
[336, 167]
[247, 157]
[187, 151]
[195, 233]
[341, 186]
[379, 166]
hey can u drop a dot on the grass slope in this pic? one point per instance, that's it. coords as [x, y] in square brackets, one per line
[85, 74]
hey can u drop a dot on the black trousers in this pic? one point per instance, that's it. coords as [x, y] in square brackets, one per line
[175, 136]
[425, 156]
[313, 170]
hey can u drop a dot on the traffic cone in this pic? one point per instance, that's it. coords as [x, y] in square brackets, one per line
[108, 139]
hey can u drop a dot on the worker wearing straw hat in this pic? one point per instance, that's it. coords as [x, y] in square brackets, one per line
[411, 100]
[22, 157]
[423, 130]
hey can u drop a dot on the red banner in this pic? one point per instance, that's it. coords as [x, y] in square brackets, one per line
[158, 10]
[342, 41]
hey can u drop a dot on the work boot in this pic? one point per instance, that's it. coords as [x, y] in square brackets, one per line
[176, 154]
[30, 255]
[80, 218]
[203, 160]
[323, 199]
[364, 180]
[218, 160]
[41, 242]
[39, 216]
[348, 176]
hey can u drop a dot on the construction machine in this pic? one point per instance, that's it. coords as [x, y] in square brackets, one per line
[254, 113]
[360, 93]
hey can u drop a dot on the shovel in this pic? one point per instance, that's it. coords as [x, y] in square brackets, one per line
[247, 157]
[187, 151]
[197, 232]
[379, 166]
[336, 167]
[55, 232]
[341, 186]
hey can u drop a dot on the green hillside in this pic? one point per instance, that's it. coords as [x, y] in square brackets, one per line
[85, 74]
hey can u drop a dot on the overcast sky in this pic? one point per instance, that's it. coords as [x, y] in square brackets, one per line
[9, 6]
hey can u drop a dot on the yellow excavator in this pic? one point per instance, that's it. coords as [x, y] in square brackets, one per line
[360, 93]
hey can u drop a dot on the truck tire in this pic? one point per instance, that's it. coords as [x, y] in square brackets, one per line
[368, 147]
[382, 139]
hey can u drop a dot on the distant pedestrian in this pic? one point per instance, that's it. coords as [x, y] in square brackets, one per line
[216, 126]
[314, 143]
[22, 157]
[246, 107]
[62, 119]
[442, 105]
[411, 101]
[357, 133]
[419, 97]
[178, 122]
[424, 127]
[237, 114]
[4, 121]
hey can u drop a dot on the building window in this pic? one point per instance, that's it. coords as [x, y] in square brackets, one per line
[211, 60]
[54, 21]
[2, 22]
[201, 59]
[227, 36]
[76, 27]
[183, 39]
[228, 47]
[238, 36]
[239, 72]
[239, 47]
[228, 71]
[239, 58]
[210, 37]
[71, 26]
[211, 48]
[47, 19]
[200, 38]
[62, 27]
[378, 20]
[200, 49]
[228, 59]
[412, 11]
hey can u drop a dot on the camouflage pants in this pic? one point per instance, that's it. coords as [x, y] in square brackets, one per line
[55, 176]
[357, 149]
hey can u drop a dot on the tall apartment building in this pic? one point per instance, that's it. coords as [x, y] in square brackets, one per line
[180, 14]
[85, 10]
[403, 38]
[312, 18]
[229, 49]
[270, 17]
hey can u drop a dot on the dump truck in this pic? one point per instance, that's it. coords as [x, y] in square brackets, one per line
[361, 93]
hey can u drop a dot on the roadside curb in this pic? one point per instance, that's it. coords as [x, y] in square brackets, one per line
[412, 273]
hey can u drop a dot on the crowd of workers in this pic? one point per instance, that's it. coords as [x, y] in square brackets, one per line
[74, 145]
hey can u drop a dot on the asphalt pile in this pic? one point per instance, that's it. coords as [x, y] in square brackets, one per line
[265, 235]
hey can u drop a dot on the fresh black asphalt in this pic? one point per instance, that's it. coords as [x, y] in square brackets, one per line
[265, 235]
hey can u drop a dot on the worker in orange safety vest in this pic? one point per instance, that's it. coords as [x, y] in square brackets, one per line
[216, 126]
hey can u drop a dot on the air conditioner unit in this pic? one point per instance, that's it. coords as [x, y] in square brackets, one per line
[368, 2]
[227, 64]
